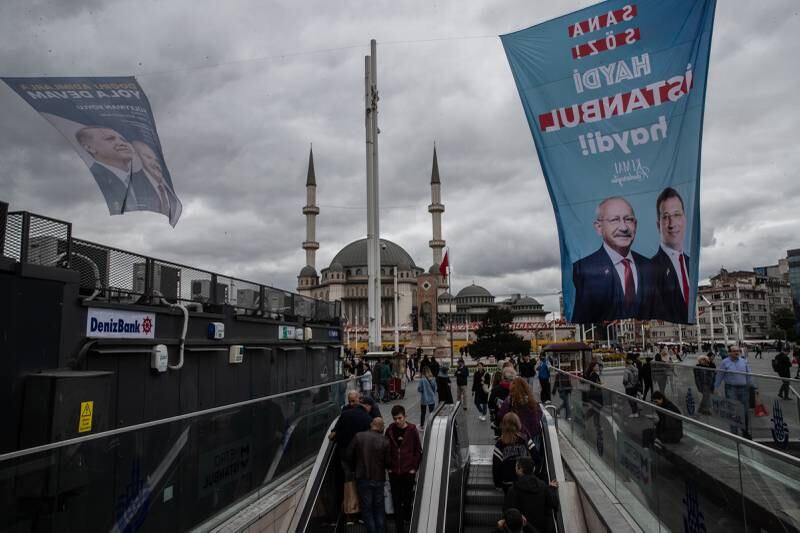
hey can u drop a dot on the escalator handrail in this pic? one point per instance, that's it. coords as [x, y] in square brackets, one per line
[420, 481]
[424, 477]
[555, 469]
[305, 506]
[276, 459]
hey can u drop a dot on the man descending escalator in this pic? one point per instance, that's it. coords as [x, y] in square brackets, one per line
[534, 498]
[354, 419]
[405, 450]
[369, 456]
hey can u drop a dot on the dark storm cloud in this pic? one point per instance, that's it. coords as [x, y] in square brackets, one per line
[240, 89]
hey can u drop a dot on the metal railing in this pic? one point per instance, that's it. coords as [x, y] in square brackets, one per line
[668, 470]
[705, 394]
[169, 474]
[126, 277]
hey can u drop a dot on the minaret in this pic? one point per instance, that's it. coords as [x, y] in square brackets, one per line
[310, 210]
[436, 209]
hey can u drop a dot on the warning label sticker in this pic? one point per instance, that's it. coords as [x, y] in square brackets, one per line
[85, 419]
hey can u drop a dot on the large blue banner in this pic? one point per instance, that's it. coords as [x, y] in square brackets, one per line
[614, 97]
[108, 121]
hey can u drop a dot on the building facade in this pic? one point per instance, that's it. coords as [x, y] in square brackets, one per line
[793, 263]
[734, 306]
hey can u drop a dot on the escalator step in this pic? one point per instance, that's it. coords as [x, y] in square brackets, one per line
[484, 497]
[481, 484]
[475, 529]
[482, 515]
[389, 527]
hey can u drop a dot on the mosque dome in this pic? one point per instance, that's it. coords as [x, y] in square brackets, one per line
[474, 291]
[336, 267]
[355, 255]
[308, 272]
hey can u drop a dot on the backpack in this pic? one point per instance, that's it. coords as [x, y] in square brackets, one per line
[775, 364]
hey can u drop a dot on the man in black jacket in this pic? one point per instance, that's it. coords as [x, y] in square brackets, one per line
[535, 499]
[462, 376]
[353, 420]
[669, 429]
[526, 369]
[369, 455]
[783, 366]
[646, 377]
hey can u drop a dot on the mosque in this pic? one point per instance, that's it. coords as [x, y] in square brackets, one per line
[423, 301]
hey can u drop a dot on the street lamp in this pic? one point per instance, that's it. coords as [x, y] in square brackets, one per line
[711, 315]
[553, 321]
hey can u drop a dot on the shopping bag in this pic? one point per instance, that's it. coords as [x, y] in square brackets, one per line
[350, 502]
[388, 504]
[760, 409]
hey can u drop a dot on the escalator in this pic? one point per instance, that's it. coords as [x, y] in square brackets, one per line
[441, 482]
[482, 504]
[454, 493]
[319, 509]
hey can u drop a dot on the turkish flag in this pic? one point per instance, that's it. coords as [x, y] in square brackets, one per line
[444, 265]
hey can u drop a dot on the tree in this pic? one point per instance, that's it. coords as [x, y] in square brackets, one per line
[783, 323]
[494, 336]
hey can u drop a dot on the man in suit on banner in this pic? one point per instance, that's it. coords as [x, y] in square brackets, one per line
[112, 168]
[612, 283]
[153, 191]
[671, 264]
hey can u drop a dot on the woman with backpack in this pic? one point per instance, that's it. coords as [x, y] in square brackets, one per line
[512, 444]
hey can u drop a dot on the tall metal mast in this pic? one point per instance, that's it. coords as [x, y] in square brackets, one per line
[373, 211]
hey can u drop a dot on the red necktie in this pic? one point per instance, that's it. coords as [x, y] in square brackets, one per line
[630, 286]
[685, 282]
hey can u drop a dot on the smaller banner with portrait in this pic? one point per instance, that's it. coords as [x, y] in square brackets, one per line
[109, 123]
[614, 98]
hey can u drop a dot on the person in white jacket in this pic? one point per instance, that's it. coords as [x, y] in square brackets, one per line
[366, 380]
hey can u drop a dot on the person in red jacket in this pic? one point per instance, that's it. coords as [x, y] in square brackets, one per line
[405, 450]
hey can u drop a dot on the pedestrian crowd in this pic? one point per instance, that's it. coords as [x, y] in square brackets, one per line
[377, 465]
[367, 451]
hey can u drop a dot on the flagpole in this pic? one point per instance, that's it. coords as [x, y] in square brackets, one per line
[450, 315]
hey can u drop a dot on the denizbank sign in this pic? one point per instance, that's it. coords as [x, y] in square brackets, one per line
[112, 323]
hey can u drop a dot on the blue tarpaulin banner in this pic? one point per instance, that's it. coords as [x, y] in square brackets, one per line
[108, 121]
[614, 97]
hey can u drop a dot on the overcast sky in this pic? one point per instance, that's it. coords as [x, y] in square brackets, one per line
[240, 89]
